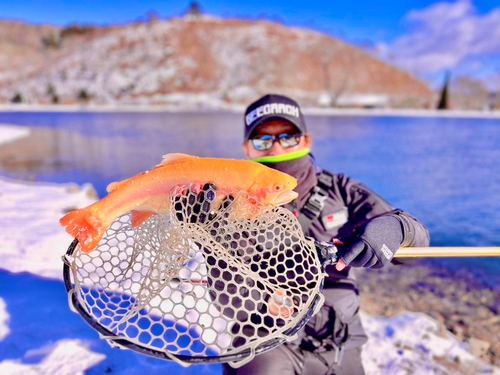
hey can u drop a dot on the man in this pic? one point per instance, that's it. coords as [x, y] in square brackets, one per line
[331, 208]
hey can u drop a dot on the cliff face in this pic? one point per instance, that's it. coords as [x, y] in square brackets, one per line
[196, 59]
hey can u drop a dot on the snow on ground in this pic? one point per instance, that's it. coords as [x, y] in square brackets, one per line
[4, 320]
[414, 343]
[66, 357]
[42, 336]
[31, 238]
[11, 133]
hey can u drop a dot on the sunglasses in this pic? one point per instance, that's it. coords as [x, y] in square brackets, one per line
[265, 142]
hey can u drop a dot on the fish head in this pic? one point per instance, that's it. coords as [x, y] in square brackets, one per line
[272, 187]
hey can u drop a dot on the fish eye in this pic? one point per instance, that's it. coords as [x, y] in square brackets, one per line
[277, 187]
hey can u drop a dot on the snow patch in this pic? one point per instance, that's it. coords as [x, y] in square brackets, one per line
[67, 357]
[414, 343]
[31, 238]
[11, 133]
[4, 320]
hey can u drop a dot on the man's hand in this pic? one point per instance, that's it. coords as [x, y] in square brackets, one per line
[196, 205]
[375, 246]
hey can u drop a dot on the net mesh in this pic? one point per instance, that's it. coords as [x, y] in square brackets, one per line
[200, 283]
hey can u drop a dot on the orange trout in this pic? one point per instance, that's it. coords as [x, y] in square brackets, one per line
[144, 194]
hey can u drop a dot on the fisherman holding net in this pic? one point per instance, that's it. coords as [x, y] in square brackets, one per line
[332, 208]
[197, 261]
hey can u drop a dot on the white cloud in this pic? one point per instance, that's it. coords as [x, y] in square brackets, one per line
[446, 36]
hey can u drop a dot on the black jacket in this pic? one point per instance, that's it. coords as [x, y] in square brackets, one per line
[349, 206]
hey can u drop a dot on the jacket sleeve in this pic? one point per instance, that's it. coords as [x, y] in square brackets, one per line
[415, 234]
[363, 205]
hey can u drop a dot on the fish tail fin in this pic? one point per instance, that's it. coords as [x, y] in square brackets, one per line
[85, 226]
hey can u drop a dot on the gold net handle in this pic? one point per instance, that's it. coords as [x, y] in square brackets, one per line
[445, 252]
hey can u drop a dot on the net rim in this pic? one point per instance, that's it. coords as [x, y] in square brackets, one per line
[122, 342]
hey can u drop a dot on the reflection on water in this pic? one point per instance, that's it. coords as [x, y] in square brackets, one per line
[102, 148]
[443, 171]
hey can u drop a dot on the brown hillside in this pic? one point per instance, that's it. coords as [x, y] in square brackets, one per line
[194, 59]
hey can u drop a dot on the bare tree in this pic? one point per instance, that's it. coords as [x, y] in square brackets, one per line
[334, 89]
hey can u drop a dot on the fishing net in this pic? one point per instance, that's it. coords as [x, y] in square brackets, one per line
[197, 285]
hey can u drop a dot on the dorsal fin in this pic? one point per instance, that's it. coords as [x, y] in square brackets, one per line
[114, 185]
[175, 158]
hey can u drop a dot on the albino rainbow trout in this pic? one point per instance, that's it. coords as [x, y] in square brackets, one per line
[144, 194]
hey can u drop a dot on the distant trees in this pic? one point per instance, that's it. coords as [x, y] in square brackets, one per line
[469, 93]
[75, 30]
[55, 40]
[466, 93]
[444, 101]
[152, 16]
[194, 9]
[83, 96]
[52, 41]
[51, 92]
[333, 87]
[17, 98]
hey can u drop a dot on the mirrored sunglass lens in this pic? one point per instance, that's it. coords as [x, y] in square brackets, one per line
[287, 140]
[262, 144]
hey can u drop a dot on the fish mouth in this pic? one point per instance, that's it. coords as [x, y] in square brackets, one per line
[285, 197]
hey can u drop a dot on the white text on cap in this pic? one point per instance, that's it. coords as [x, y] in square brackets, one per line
[269, 109]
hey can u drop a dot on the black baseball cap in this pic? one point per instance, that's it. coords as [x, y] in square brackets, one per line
[273, 107]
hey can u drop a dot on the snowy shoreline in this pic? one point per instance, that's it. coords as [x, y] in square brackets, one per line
[236, 108]
[11, 133]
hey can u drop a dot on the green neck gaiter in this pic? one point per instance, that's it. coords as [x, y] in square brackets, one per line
[282, 158]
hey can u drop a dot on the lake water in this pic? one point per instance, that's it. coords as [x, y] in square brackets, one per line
[444, 171]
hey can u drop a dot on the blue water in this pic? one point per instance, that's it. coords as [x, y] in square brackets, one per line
[40, 316]
[109, 308]
[443, 171]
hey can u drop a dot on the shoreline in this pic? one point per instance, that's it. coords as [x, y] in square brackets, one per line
[239, 109]
[461, 304]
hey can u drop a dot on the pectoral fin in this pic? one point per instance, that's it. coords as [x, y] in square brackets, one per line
[139, 217]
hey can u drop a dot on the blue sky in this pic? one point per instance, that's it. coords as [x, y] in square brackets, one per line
[422, 36]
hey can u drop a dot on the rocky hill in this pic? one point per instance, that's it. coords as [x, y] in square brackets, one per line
[194, 60]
